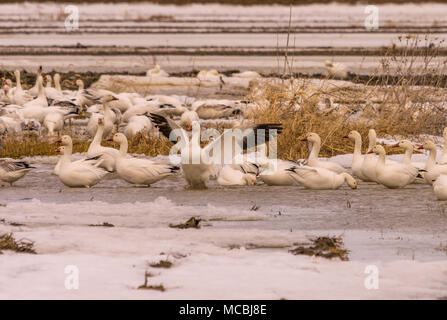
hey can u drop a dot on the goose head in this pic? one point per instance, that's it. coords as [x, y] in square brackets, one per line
[57, 77]
[407, 145]
[353, 136]
[80, 84]
[118, 138]
[377, 149]
[350, 181]
[329, 64]
[65, 140]
[8, 83]
[101, 121]
[312, 137]
[48, 80]
[428, 145]
[17, 74]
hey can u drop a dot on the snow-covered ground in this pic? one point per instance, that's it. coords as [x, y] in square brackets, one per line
[237, 254]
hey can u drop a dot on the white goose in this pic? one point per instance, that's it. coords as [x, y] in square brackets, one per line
[108, 155]
[370, 160]
[313, 161]
[156, 71]
[392, 175]
[139, 171]
[238, 175]
[188, 117]
[409, 148]
[320, 178]
[66, 141]
[37, 108]
[196, 163]
[440, 187]
[34, 90]
[108, 117]
[11, 171]
[357, 160]
[19, 96]
[136, 125]
[433, 170]
[78, 174]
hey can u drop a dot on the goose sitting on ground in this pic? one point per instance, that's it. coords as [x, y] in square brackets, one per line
[78, 174]
[440, 187]
[246, 74]
[156, 71]
[238, 174]
[394, 175]
[433, 170]
[370, 160]
[357, 160]
[320, 178]
[409, 148]
[11, 171]
[313, 161]
[108, 155]
[141, 172]
[197, 163]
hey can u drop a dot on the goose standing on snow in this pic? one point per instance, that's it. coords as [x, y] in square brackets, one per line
[357, 160]
[440, 187]
[313, 161]
[78, 174]
[141, 172]
[433, 170]
[11, 171]
[108, 155]
[321, 178]
[394, 175]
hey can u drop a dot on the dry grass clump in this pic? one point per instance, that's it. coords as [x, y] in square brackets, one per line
[8, 242]
[325, 247]
[30, 146]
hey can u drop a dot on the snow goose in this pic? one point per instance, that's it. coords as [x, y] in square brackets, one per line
[35, 90]
[52, 93]
[55, 118]
[11, 171]
[433, 170]
[319, 178]
[443, 159]
[392, 175]
[409, 148]
[140, 172]
[197, 165]
[188, 117]
[156, 71]
[440, 187]
[357, 159]
[67, 141]
[313, 155]
[370, 160]
[238, 174]
[108, 117]
[246, 74]
[19, 96]
[136, 125]
[78, 174]
[108, 155]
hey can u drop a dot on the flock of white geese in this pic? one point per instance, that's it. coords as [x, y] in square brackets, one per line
[49, 107]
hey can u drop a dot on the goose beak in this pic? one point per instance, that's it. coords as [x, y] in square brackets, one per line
[109, 139]
[303, 139]
[395, 145]
[58, 150]
[345, 137]
[59, 140]
[420, 147]
[370, 151]
[190, 128]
